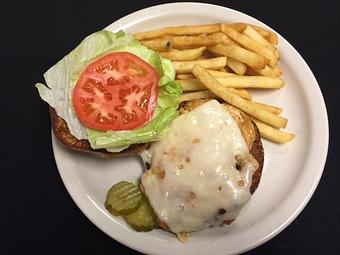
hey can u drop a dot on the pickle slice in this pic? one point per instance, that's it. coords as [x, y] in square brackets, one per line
[123, 198]
[142, 219]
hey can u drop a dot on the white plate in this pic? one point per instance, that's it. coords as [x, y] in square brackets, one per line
[291, 171]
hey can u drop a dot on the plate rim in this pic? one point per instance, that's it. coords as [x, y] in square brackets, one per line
[85, 208]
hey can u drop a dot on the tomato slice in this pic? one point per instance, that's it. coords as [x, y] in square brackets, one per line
[116, 92]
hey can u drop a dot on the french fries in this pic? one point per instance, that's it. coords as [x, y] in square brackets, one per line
[269, 108]
[183, 55]
[158, 44]
[191, 85]
[241, 92]
[189, 42]
[267, 34]
[273, 134]
[236, 66]
[197, 95]
[259, 82]
[250, 44]
[185, 76]
[206, 94]
[278, 71]
[236, 81]
[212, 63]
[221, 61]
[256, 36]
[179, 30]
[238, 53]
[266, 71]
[197, 85]
[247, 106]
[221, 73]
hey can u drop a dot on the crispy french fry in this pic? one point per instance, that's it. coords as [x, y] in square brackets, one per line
[272, 37]
[247, 106]
[256, 36]
[212, 63]
[183, 55]
[241, 92]
[238, 26]
[236, 66]
[269, 108]
[266, 71]
[223, 38]
[273, 134]
[197, 85]
[178, 30]
[250, 72]
[191, 85]
[278, 71]
[250, 44]
[158, 44]
[220, 73]
[185, 76]
[259, 82]
[189, 42]
[267, 34]
[196, 95]
[238, 53]
[237, 81]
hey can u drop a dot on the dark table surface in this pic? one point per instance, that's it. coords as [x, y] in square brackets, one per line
[37, 215]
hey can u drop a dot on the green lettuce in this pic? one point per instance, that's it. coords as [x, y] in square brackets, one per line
[62, 77]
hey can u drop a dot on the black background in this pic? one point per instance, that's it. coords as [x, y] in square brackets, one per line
[38, 216]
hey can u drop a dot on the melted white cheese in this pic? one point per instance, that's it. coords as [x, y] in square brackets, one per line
[193, 182]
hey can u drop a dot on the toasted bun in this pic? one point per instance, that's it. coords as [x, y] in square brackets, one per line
[62, 132]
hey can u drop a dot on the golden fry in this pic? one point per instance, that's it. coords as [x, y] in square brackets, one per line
[251, 82]
[223, 38]
[236, 66]
[266, 71]
[237, 81]
[191, 85]
[197, 85]
[212, 63]
[256, 36]
[250, 44]
[196, 95]
[241, 92]
[238, 53]
[185, 76]
[183, 55]
[273, 134]
[278, 71]
[189, 42]
[220, 73]
[178, 30]
[269, 108]
[158, 44]
[247, 106]
[267, 34]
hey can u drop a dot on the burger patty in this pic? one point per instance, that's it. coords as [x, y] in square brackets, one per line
[251, 135]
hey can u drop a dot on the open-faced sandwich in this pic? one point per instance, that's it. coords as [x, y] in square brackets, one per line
[114, 96]
[111, 95]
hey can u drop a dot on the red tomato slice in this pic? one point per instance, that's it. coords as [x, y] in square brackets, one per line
[116, 92]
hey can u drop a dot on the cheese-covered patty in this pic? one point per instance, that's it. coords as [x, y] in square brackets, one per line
[201, 171]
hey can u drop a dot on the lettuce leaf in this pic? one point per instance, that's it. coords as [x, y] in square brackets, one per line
[62, 77]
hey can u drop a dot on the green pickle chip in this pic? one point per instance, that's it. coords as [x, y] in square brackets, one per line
[142, 219]
[123, 198]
